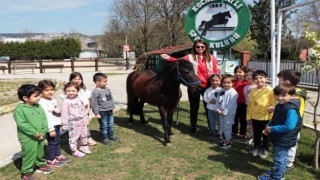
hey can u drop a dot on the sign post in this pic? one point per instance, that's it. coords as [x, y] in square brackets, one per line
[126, 49]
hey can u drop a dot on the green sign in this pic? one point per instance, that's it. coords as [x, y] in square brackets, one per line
[220, 23]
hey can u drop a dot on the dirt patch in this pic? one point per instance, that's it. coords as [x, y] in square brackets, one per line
[123, 150]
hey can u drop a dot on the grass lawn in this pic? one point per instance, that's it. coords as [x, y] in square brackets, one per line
[9, 87]
[141, 154]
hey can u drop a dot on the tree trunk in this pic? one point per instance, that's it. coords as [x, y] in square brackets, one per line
[316, 152]
[315, 123]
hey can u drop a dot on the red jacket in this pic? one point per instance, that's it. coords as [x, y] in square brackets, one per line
[238, 86]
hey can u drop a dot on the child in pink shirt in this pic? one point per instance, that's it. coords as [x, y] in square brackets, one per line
[75, 119]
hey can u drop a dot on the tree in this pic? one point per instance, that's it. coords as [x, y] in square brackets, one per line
[261, 23]
[170, 11]
[313, 65]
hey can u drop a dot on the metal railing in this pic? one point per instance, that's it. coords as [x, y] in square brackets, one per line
[307, 78]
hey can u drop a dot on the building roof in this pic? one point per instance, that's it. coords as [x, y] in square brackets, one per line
[170, 49]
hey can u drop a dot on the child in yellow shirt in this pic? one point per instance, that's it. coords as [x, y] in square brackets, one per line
[261, 99]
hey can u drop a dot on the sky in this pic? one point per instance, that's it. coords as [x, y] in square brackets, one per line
[54, 16]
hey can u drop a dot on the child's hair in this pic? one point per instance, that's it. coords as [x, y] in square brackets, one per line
[27, 90]
[259, 73]
[229, 76]
[215, 75]
[99, 76]
[70, 84]
[74, 75]
[290, 75]
[252, 70]
[242, 67]
[283, 89]
[44, 84]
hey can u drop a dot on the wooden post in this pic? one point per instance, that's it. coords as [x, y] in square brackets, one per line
[9, 66]
[40, 66]
[96, 64]
[127, 61]
[72, 64]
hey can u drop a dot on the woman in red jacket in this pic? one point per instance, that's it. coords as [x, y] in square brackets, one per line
[204, 65]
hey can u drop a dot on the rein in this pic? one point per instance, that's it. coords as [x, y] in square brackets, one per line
[184, 81]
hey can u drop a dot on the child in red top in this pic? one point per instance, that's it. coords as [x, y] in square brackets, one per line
[240, 72]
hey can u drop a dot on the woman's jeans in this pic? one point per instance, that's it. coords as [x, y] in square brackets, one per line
[106, 124]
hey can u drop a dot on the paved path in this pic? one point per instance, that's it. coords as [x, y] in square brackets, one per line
[9, 145]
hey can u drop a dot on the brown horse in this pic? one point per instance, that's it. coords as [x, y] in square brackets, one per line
[160, 89]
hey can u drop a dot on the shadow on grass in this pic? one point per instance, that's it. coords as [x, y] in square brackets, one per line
[237, 154]
[152, 116]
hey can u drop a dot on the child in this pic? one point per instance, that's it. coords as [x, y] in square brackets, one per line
[293, 77]
[210, 97]
[84, 94]
[227, 111]
[260, 100]
[283, 129]
[240, 72]
[32, 128]
[103, 107]
[75, 119]
[246, 92]
[54, 157]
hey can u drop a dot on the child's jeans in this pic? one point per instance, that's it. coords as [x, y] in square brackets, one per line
[214, 122]
[280, 156]
[53, 149]
[106, 124]
[226, 122]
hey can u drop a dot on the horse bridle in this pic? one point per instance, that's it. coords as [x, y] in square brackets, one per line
[184, 81]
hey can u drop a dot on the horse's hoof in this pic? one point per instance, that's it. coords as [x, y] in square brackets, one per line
[168, 144]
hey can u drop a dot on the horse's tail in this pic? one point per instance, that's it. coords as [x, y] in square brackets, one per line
[132, 100]
[202, 23]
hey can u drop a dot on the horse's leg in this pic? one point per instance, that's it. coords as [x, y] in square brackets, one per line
[170, 119]
[164, 115]
[140, 106]
[131, 119]
[226, 21]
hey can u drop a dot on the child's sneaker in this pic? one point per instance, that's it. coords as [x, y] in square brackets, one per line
[249, 141]
[27, 177]
[254, 151]
[78, 154]
[44, 169]
[85, 149]
[263, 153]
[91, 142]
[55, 163]
[114, 139]
[269, 173]
[62, 158]
[225, 144]
[289, 168]
[242, 136]
[107, 142]
[263, 177]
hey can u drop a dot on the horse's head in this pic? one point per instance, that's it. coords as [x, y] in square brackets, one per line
[227, 13]
[187, 75]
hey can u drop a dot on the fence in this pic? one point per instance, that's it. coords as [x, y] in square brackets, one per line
[73, 64]
[307, 78]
